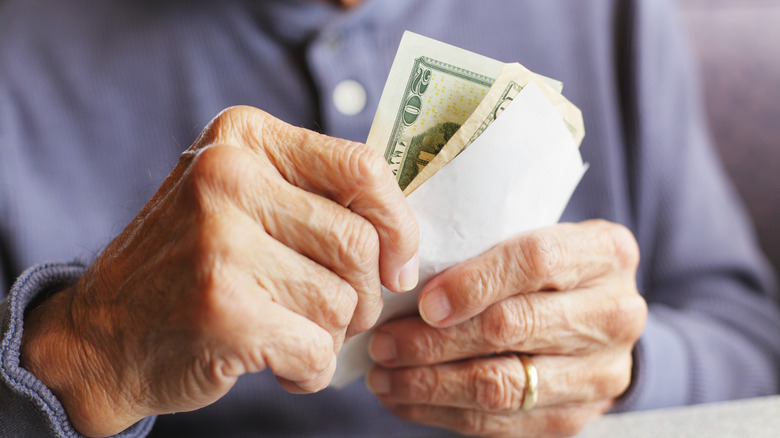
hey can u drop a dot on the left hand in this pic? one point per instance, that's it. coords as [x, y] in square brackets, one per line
[565, 295]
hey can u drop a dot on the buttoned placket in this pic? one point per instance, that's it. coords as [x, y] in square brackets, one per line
[342, 66]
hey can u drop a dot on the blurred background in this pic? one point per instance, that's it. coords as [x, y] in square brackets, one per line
[738, 45]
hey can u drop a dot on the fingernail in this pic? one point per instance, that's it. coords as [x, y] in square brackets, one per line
[410, 274]
[435, 306]
[378, 381]
[382, 347]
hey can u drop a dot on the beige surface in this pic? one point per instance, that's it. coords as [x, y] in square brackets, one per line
[751, 418]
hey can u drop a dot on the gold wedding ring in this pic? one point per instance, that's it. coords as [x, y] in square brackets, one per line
[531, 383]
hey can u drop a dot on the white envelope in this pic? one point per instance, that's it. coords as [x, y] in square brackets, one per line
[517, 176]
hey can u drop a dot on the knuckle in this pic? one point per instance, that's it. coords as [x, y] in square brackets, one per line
[625, 317]
[340, 306]
[624, 244]
[481, 283]
[229, 116]
[317, 355]
[357, 253]
[541, 257]
[367, 314]
[366, 167]
[610, 380]
[359, 247]
[212, 173]
[365, 319]
[495, 389]
[371, 179]
[240, 116]
[424, 346]
[223, 125]
[321, 358]
[208, 164]
[254, 361]
[331, 306]
[216, 295]
[422, 384]
[507, 323]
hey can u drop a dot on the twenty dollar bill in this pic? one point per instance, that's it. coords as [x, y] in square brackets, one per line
[438, 98]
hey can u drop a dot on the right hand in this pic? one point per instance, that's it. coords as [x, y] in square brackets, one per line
[264, 247]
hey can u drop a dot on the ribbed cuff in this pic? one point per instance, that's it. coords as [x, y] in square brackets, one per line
[40, 281]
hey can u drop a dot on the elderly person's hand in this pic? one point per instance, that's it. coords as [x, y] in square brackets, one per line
[264, 248]
[563, 298]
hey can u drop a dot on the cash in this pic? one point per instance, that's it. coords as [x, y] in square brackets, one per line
[512, 129]
[439, 98]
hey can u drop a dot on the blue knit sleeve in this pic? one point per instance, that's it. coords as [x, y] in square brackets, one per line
[29, 409]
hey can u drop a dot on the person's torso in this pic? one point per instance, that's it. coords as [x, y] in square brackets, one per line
[97, 100]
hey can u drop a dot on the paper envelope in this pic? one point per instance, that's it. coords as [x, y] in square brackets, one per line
[517, 176]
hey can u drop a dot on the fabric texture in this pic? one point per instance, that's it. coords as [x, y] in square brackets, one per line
[23, 389]
[97, 100]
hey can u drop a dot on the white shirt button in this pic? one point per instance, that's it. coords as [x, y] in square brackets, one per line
[349, 97]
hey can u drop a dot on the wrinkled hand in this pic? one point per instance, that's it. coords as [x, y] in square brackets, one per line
[565, 295]
[263, 248]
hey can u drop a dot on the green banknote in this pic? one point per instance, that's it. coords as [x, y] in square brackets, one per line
[432, 91]
[512, 79]
[438, 99]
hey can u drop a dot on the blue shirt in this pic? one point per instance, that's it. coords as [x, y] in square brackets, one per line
[98, 99]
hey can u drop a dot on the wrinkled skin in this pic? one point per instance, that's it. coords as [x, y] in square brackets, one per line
[264, 248]
[566, 295]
